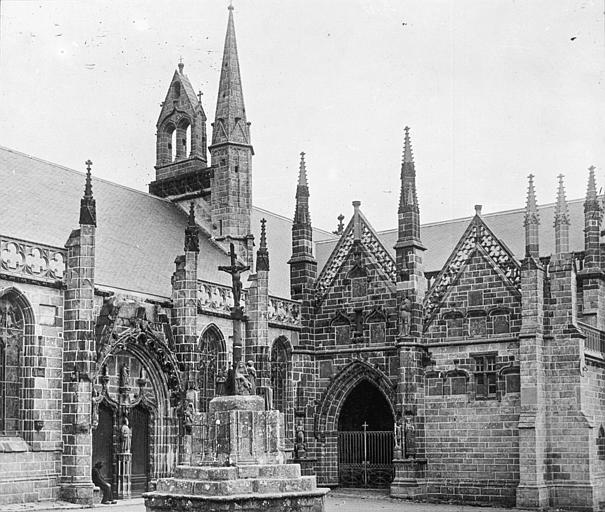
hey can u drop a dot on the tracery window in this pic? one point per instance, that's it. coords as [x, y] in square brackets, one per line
[11, 343]
[279, 373]
[601, 443]
[212, 365]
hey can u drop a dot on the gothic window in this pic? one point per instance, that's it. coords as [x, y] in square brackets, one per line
[486, 377]
[183, 136]
[601, 443]
[11, 342]
[279, 373]
[342, 328]
[212, 365]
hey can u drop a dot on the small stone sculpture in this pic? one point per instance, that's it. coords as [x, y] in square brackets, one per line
[410, 438]
[251, 376]
[188, 419]
[299, 446]
[221, 379]
[242, 383]
[405, 316]
[125, 437]
[398, 439]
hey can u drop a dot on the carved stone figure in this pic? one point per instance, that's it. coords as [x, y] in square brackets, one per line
[125, 437]
[242, 383]
[124, 379]
[94, 422]
[300, 448]
[221, 379]
[188, 419]
[398, 439]
[410, 438]
[251, 376]
[405, 317]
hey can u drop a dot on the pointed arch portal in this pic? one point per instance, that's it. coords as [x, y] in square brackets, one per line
[365, 438]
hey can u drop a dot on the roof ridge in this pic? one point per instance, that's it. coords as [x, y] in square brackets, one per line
[491, 214]
[95, 178]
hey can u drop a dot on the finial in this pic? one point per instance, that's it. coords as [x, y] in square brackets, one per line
[341, 227]
[263, 233]
[192, 236]
[356, 204]
[88, 185]
[561, 209]
[230, 5]
[302, 175]
[262, 255]
[199, 96]
[181, 65]
[591, 190]
[531, 206]
[356, 222]
[88, 209]
[408, 156]
[478, 208]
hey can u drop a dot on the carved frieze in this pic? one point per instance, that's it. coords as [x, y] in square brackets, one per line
[31, 260]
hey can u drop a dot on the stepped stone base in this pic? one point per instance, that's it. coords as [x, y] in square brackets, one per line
[242, 467]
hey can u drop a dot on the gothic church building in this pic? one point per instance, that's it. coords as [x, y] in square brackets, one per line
[466, 356]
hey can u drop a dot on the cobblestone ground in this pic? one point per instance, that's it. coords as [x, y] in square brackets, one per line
[337, 501]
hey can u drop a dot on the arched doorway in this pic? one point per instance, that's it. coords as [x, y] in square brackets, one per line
[102, 443]
[139, 422]
[365, 438]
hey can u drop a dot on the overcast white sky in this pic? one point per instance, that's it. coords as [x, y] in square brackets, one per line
[491, 89]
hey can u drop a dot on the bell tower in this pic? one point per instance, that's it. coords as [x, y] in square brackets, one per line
[181, 147]
[231, 155]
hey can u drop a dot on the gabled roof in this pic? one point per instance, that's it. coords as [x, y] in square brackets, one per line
[369, 239]
[476, 238]
[138, 235]
[441, 237]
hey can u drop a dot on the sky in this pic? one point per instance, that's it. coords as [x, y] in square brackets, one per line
[491, 90]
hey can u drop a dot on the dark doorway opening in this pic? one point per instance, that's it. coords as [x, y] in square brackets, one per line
[365, 439]
[139, 422]
[102, 443]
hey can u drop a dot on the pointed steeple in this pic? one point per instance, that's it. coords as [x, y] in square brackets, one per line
[593, 216]
[408, 198]
[301, 213]
[230, 123]
[531, 221]
[192, 232]
[561, 220]
[262, 255]
[88, 207]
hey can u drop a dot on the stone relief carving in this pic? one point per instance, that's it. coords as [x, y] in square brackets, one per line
[35, 261]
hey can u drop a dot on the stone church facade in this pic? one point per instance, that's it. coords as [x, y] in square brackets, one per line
[457, 360]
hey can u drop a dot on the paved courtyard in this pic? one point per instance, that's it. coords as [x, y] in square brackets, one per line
[337, 501]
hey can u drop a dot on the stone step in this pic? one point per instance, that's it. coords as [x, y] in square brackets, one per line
[243, 471]
[240, 486]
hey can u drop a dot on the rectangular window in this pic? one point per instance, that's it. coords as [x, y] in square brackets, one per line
[486, 378]
[513, 383]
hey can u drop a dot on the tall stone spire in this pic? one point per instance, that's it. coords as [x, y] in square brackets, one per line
[301, 213]
[561, 220]
[531, 222]
[408, 198]
[262, 255]
[230, 123]
[88, 207]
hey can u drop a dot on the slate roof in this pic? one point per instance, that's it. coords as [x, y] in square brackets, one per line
[138, 235]
[440, 238]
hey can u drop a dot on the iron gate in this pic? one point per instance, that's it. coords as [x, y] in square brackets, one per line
[365, 458]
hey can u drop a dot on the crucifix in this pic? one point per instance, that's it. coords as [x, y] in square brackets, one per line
[236, 269]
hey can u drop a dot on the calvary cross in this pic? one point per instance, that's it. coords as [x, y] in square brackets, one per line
[235, 269]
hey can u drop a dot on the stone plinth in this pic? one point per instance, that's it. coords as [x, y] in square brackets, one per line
[409, 478]
[242, 466]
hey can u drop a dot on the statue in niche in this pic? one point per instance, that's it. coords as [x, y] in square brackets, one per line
[221, 380]
[124, 378]
[188, 418]
[125, 437]
[242, 382]
[95, 408]
[405, 316]
[251, 371]
[299, 446]
[409, 438]
[399, 439]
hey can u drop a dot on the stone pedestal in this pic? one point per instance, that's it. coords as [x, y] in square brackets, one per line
[409, 479]
[124, 472]
[241, 467]
[307, 465]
